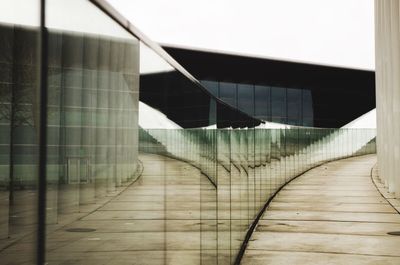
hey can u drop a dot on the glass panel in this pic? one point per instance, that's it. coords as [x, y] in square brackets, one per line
[307, 108]
[212, 86]
[92, 131]
[294, 107]
[179, 176]
[223, 194]
[163, 89]
[228, 93]
[246, 98]
[278, 105]
[19, 131]
[262, 102]
[238, 190]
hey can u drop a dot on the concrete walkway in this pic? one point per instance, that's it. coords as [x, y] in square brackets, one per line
[332, 214]
[156, 220]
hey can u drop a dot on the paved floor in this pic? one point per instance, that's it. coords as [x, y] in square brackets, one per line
[154, 221]
[330, 215]
[159, 219]
[383, 189]
[333, 214]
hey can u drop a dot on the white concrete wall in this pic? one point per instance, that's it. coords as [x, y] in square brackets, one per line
[387, 38]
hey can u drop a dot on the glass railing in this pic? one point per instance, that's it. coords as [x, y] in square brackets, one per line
[115, 193]
[97, 66]
[227, 176]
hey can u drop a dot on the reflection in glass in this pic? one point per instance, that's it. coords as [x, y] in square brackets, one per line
[278, 105]
[93, 90]
[212, 87]
[228, 93]
[294, 107]
[262, 102]
[19, 132]
[307, 108]
[246, 98]
[120, 188]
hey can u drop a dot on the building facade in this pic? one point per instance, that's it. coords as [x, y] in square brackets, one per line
[82, 183]
[287, 92]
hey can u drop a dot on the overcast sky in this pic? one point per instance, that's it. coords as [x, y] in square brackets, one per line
[332, 32]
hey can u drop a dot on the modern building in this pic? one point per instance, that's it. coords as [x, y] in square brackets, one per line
[115, 150]
[289, 92]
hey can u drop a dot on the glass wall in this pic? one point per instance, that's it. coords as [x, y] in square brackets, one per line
[19, 130]
[215, 182]
[292, 106]
[93, 94]
[117, 191]
[186, 102]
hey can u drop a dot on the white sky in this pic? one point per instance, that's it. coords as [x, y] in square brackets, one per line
[332, 32]
[71, 15]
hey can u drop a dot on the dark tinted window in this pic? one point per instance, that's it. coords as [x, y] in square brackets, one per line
[246, 98]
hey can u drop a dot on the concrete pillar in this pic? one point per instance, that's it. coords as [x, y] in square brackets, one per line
[387, 39]
[395, 64]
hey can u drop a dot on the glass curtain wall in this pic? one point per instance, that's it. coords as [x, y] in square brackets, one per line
[19, 129]
[292, 106]
[121, 193]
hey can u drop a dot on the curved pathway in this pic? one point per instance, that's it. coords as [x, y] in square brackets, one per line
[332, 214]
[156, 220]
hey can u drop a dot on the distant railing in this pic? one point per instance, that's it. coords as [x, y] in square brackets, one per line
[247, 166]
